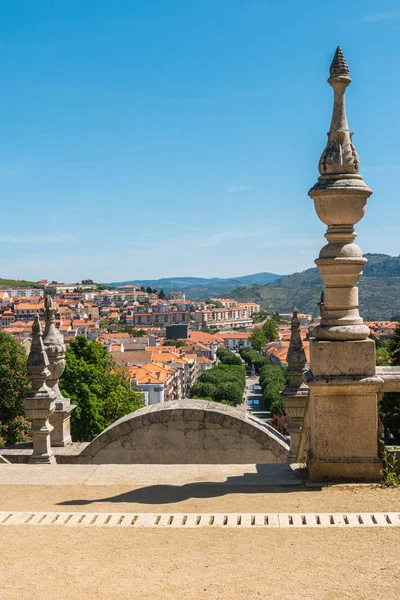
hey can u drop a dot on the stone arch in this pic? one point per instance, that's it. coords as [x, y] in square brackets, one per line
[187, 432]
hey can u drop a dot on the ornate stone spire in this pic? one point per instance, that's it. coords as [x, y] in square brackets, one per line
[55, 348]
[295, 394]
[296, 357]
[340, 155]
[54, 344]
[39, 401]
[340, 198]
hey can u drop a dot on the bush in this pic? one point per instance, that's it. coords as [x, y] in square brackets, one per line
[280, 424]
[16, 431]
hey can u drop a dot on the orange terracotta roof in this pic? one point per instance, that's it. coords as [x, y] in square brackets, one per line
[204, 338]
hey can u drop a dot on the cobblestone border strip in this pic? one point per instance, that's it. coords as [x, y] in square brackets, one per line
[208, 520]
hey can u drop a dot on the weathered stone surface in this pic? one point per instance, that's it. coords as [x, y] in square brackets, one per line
[187, 432]
[354, 358]
[340, 428]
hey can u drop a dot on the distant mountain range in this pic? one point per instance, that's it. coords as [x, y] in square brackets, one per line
[379, 290]
[198, 287]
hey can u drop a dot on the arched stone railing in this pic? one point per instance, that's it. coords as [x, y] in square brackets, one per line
[187, 432]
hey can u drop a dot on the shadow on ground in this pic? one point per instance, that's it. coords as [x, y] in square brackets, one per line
[262, 482]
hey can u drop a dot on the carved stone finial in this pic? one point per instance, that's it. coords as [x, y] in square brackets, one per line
[39, 401]
[295, 394]
[340, 198]
[340, 156]
[339, 64]
[54, 343]
[296, 357]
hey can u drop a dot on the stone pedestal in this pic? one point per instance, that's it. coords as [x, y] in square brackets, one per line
[42, 452]
[61, 423]
[343, 411]
[39, 401]
[294, 402]
[295, 394]
[343, 405]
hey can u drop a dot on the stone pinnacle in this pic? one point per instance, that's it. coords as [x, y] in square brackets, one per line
[339, 66]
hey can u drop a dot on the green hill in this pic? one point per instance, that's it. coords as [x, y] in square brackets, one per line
[16, 283]
[379, 290]
[199, 287]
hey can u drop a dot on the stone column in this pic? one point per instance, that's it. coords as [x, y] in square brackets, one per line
[296, 392]
[55, 348]
[39, 401]
[343, 384]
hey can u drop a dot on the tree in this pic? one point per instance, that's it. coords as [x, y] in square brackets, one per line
[203, 390]
[134, 332]
[229, 392]
[13, 386]
[176, 343]
[213, 384]
[270, 329]
[149, 290]
[226, 357]
[272, 381]
[162, 295]
[258, 338]
[100, 391]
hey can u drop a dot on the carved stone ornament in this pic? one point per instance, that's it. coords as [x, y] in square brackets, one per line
[39, 401]
[55, 348]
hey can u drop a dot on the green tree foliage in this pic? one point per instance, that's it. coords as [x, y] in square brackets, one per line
[270, 329]
[272, 381]
[226, 357]
[13, 378]
[134, 332]
[176, 343]
[203, 390]
[229, 392]
[258, 339]
[162, 295]
[149, 290]
[259, 316]
[101, 391]
[389, 408]
[222, 383]
[254, 358]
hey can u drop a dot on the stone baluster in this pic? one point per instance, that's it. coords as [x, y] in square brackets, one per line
[343, 384]
[296, 392]
[39, 401]
[55, 348]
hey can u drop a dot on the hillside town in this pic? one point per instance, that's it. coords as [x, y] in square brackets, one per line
[134, 323]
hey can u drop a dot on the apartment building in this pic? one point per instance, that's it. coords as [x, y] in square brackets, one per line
[161, 319]
[234, 340]
[237, 316]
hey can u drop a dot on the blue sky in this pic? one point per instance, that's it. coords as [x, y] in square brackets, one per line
[164, 138]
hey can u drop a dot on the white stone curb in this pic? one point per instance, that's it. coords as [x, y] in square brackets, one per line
[203, 520]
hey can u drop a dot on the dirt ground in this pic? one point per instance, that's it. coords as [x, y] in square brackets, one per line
[197, 497]
[41, 563]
